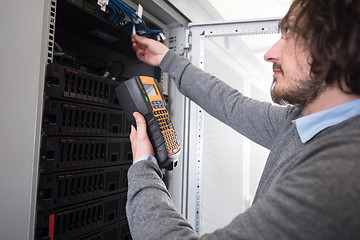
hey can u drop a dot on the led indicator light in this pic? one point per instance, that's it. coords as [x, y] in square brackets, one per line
[147, 100]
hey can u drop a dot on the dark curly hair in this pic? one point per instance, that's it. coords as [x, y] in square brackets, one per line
[332, 28]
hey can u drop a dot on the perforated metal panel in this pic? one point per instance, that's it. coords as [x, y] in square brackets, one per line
[228, 166]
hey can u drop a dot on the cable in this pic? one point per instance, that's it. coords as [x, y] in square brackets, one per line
[112, 72]
[122, 14]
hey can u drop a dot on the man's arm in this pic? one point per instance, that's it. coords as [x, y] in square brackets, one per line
[259, 121]
[150, 211]
[315, 197]
[149, 208]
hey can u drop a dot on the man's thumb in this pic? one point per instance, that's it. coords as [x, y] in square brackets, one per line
[140, 123]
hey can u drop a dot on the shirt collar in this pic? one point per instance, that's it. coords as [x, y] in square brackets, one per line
[311, 125]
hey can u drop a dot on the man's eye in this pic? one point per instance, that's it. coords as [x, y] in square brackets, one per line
[285, 32]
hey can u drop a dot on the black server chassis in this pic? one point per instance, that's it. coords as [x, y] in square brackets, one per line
[85, 156]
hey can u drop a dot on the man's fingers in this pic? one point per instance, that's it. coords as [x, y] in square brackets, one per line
[141, 40]
[135, 47]
[133, 133]
[140, 143]
[133, 136]
[140, 54]
[140, 125]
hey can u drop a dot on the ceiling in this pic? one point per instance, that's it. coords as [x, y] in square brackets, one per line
[220, 10]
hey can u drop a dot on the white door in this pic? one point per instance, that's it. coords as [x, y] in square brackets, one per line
[224, 167]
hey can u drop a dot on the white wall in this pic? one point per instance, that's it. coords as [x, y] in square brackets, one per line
[21, 75]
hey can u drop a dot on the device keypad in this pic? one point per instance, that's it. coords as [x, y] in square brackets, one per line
[162, 116]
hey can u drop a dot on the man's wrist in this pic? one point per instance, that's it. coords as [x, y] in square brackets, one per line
[147, 158]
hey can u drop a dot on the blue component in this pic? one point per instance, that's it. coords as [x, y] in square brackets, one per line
[120, 12]
[153, 102]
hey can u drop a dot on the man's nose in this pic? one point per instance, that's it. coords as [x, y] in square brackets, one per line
[274, 53]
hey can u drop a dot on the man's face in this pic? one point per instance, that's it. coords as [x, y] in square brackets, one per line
[291, 60]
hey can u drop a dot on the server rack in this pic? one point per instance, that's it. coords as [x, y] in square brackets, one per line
[85, 151]
[70, 146]
[84, 157]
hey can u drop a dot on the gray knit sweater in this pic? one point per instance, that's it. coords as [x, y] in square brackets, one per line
[307, 191]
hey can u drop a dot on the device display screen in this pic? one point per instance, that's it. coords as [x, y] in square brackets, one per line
[150, 89]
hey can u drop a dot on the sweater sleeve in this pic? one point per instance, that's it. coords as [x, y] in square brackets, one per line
[150, 211]
[258, 121]
[314, 197]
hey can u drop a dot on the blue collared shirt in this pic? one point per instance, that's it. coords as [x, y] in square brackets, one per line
[311, 125]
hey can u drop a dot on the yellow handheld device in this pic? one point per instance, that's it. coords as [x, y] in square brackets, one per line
[141, 94]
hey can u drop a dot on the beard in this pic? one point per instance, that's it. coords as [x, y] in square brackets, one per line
[301, 94]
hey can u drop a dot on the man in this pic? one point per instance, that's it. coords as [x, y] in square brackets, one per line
[310, 185]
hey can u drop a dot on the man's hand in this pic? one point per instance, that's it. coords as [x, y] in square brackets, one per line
[149, 51]
[140, 143]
